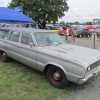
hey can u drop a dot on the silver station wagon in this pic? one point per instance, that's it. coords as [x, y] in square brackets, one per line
[45, 51]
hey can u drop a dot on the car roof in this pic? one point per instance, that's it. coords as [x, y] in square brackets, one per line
[33, 30]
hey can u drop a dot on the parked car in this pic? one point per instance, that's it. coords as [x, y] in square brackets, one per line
[56, 26]
[91, 29]
[45, 51]
[97, 30]
[54, 29]
[82, 32]
[63, 30]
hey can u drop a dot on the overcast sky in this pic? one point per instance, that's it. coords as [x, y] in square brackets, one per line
[80, 10]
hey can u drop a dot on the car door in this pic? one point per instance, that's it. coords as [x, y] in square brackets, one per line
[27, 52]
[85, 32]
[12, 43]
[2, 39]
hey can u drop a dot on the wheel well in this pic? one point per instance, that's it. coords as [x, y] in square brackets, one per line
[47, 66]
[1, 52]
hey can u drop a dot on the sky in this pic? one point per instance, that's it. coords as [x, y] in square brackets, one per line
[80, 10]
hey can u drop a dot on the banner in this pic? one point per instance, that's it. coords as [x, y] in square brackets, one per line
[18, 8]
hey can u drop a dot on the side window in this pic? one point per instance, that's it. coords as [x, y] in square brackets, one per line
[7, 34]
[2, 34]
[25, 39]
[14, 36]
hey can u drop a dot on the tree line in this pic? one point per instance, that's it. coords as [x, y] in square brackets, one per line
[77, 23]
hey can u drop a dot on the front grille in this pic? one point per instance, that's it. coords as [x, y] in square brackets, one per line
[94, 65]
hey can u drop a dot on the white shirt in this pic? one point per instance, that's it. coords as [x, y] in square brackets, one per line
[67, 32]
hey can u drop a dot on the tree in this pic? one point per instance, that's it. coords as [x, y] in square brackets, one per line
[42, 10]
[77, 23]
[89, 23]
[62, 22]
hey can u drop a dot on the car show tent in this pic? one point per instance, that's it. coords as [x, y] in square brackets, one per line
[9, 15]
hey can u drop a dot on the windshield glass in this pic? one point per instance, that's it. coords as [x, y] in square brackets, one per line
[46, 39]
[78, 28]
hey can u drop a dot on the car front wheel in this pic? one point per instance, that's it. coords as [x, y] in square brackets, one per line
[57, 77]
[80, 35]
[4, 56]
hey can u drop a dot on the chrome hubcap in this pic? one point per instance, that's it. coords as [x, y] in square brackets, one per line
[56, 76]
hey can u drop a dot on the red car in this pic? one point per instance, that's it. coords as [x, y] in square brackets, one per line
[63, 31]
[90, 28]
[97, 30]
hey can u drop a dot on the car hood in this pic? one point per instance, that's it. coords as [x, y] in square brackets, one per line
[77, 54]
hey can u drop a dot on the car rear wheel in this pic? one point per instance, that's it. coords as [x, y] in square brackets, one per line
[57, 77]
[4, 56]
[88, 35]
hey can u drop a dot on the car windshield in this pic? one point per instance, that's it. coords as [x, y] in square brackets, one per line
[47, 39]
[78, 28]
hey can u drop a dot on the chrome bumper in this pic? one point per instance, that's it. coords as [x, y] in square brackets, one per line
[89, 76]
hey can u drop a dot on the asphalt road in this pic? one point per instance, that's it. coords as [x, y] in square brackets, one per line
[85, 43]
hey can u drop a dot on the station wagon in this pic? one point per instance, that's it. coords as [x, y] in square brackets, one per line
[46, 51]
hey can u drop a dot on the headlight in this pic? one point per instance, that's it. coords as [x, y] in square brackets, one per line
[88, 68]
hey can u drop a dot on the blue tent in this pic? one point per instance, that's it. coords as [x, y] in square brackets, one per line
[9, 15]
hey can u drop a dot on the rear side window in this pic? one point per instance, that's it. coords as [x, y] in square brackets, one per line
[14, 36]
[4, 34]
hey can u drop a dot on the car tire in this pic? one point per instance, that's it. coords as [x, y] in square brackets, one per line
[57, 77]
[88, 35]
[80, 35]
[4, 56]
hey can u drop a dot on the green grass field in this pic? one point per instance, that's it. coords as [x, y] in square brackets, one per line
[20, 82]
[98, 38]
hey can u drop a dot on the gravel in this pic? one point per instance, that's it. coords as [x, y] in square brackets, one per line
[91, 91]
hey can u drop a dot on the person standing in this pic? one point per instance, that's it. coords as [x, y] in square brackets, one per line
[70, 31]
[67, 35]
[73, 37]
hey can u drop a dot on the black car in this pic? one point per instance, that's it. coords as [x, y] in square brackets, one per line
[82, 32]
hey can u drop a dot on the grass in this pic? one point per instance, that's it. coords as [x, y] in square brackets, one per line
[20, 82]
[85, 38]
